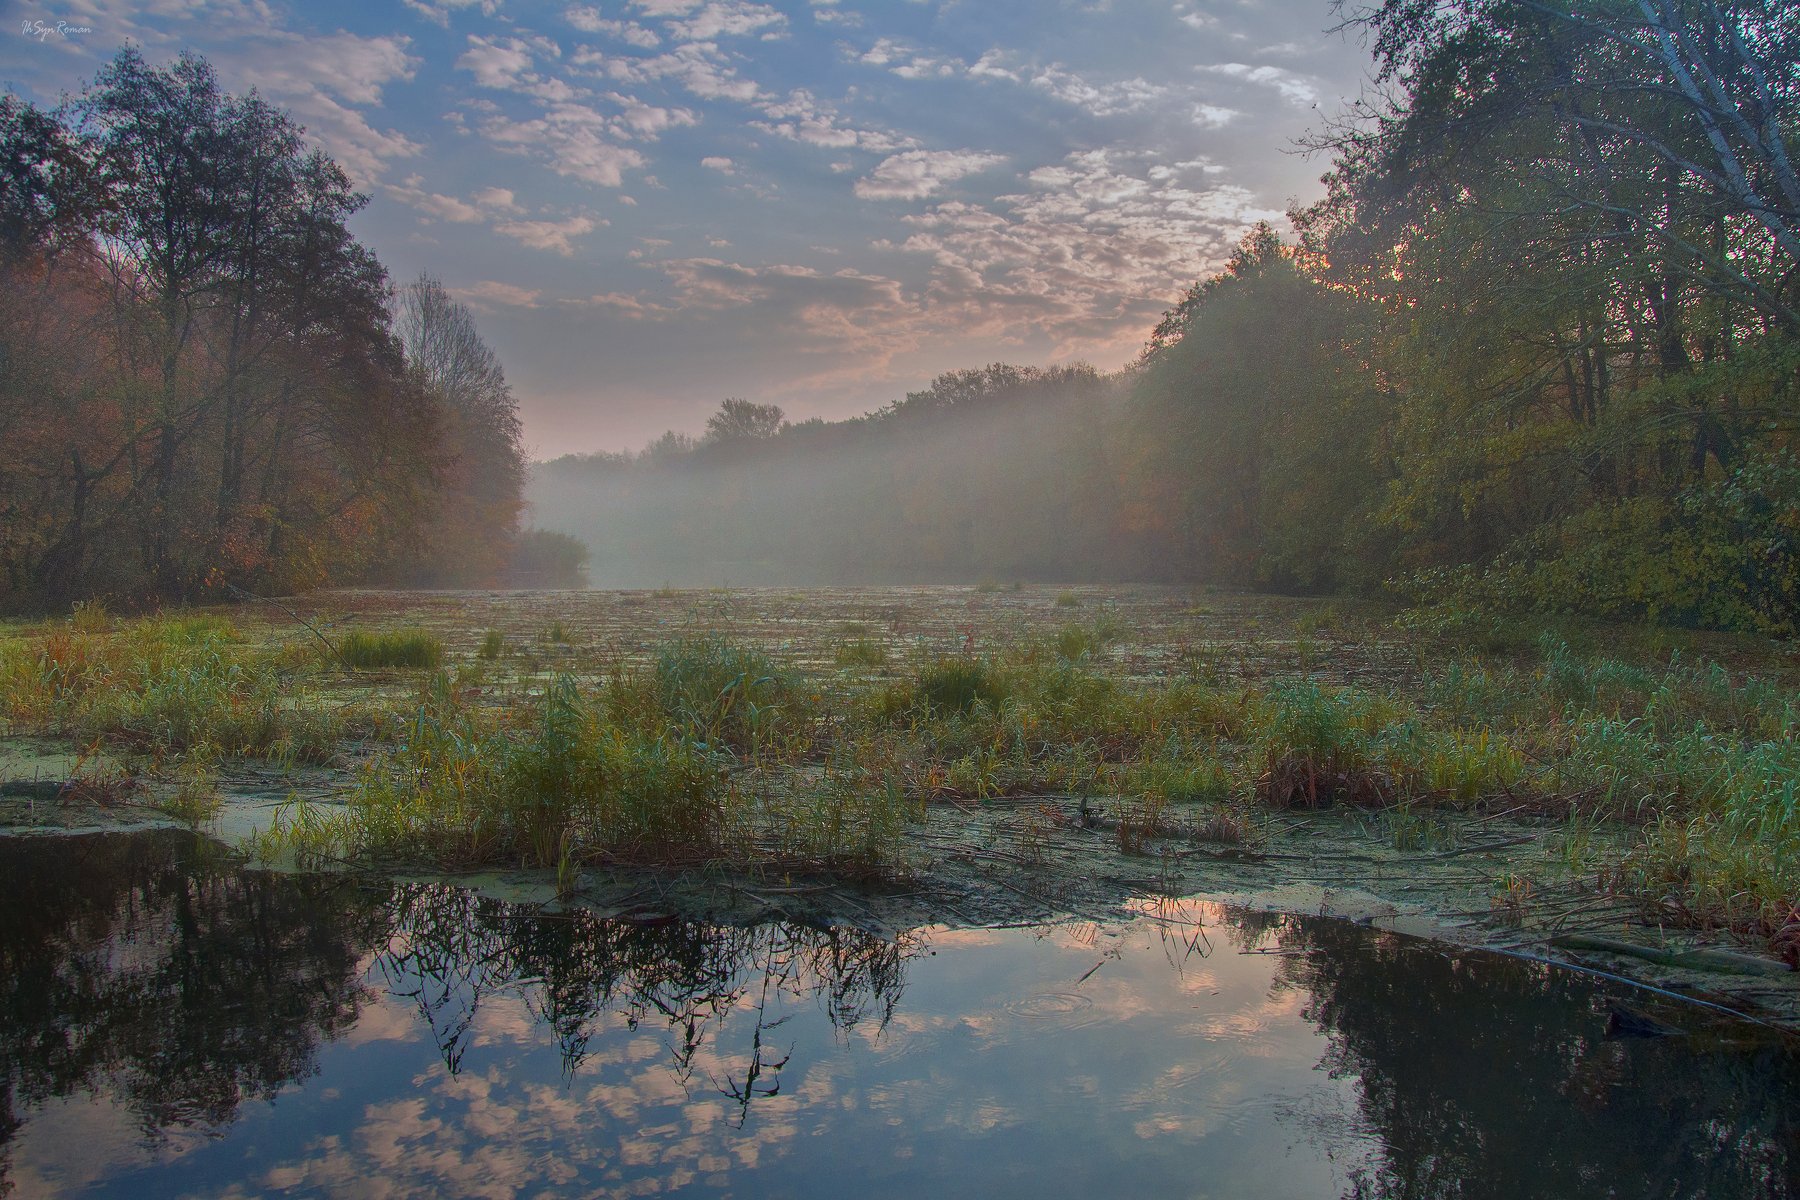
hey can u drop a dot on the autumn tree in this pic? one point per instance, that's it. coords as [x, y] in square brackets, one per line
[201, 386]
[468, 537]
[740, 420]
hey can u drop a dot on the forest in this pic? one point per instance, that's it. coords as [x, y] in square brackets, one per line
[1536, 350]
[208, 386]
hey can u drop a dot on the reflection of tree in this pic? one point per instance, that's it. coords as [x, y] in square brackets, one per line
[151, 966]
[1486, 1077]
[450, 949]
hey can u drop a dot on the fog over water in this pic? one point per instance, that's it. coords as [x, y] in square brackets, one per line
[1003, 474]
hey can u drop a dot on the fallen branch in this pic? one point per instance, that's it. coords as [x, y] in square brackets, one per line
[251, 597]
[1726, 961]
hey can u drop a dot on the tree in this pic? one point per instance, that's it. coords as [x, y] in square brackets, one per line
[740, 420]
[200, 383]
[1257, 437]
[483, 471]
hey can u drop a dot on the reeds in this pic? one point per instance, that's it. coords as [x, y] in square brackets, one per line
[414, 649]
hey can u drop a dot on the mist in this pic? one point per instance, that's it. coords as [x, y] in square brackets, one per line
[995, 474]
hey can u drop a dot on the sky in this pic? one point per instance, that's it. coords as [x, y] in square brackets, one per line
[655, 204]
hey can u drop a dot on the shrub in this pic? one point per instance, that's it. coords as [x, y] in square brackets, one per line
[546, 559]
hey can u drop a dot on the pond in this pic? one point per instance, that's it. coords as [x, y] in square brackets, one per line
[177, 1025]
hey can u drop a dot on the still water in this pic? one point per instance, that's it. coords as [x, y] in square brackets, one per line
[174, 1025]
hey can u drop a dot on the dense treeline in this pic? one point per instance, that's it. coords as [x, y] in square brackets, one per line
[1538, 347]
[202, 379]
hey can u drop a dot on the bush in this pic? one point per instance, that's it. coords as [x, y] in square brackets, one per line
[547, 559]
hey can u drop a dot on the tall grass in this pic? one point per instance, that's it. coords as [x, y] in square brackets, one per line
[411, 648]
[167, 685]
[723, 693]
[712, 749]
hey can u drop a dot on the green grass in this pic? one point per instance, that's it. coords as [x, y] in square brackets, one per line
[721, 692]
[415, 649]
[166, 685]
[860, 652]
[958, 685]
[1679, 774]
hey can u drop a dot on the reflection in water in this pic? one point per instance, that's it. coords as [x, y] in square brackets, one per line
[162, 1006]
[150, 968]
[1487, 1077]
[449, 949]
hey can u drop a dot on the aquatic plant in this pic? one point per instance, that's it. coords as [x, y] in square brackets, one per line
[416, 649]
[859, 652]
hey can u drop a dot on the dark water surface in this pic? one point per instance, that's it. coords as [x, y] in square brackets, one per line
[174, 1025]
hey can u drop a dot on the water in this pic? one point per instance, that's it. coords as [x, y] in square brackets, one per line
[176, 1026]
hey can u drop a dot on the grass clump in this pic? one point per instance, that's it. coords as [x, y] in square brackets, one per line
[573, 785]
[1067, 600]
[860, 652]
[568, 786]
[958, 686]
[1316, 748]
[166, 685]
[414, 649]
[1177, 781]
[493, 642]
[852, 823]
[721, 692]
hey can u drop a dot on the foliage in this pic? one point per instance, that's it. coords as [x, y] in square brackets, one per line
[202, 388]
[547, 559]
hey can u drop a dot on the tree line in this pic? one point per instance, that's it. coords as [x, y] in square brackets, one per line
[206, 382]
[1537, 348]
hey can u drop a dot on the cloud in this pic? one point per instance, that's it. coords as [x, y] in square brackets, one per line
[802, 117]
[326, 81]
[697, 67]
[1101, 99]
[438, 11]
[491, 293]
[589, 20]
[1089, 256]
[1293, 87]
[547, 235]
[502, 63]
[720, 164]
[992, 65]
[484, 204]
[906, 61]
[727, 18]
[913, 174]
[571, 140]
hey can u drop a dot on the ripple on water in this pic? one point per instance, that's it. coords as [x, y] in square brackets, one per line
[1063, 1008]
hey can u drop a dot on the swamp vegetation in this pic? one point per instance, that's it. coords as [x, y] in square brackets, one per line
[807, 735]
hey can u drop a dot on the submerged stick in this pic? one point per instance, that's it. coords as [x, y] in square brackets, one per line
[1698, 960]
[1639, 984]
